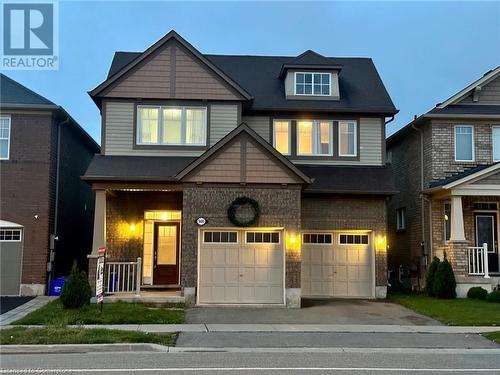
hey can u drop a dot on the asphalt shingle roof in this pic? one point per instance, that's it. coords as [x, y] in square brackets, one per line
[466, 109]
[12, 92]
[458, 176]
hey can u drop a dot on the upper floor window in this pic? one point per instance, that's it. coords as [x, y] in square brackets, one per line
[464, 143]
[495, 135]
[401, 218]
[174, 126]
[281, 136]
[313, 84]
[4, 137]
[347, 138]
[314, 137]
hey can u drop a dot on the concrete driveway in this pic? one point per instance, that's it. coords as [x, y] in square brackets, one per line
[312, 312]
[10, 303]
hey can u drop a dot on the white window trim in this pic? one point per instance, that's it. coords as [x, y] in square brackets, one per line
[183, 126]
[220, 231]
[316, 243]
[354, 234]
[262, 243]
[14, 230]
[289, 135]
[493, 143]
[473, 143]
[8, 139]
[355, 137]
[312, 91]
[314, 138]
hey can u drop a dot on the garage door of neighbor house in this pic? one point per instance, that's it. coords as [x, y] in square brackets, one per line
[337, 265]
[241, 267]
[11, 251]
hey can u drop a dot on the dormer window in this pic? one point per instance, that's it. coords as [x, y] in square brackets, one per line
[315, 84]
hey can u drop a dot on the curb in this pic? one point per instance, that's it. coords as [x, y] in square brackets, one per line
[81, 348]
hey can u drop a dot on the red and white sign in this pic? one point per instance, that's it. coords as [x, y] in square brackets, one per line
[99, 281]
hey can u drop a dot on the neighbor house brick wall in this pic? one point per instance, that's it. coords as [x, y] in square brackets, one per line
[280, 207]
[27, 184]
[346, 213]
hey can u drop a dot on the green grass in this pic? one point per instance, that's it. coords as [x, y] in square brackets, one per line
[52, 335]
[493, 336]
[455, 312]
[54, 313]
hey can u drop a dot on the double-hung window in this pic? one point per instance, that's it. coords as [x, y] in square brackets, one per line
[314, 137]
[281, 136]
[495, 135]
[317, 84]
[464, 143]
[174, 126]
[401, 218]
[4, 137]
[347, 138]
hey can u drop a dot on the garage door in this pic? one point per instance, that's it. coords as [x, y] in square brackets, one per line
[241, 267]
[11, 249]
[337, 265]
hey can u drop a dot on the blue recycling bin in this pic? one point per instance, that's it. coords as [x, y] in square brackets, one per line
[56, 286]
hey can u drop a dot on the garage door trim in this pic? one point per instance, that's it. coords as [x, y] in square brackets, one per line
[8, 225]
[241, 236]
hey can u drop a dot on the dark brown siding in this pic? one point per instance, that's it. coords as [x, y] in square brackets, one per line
[25, 188]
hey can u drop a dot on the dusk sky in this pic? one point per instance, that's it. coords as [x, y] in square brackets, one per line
[424, 51]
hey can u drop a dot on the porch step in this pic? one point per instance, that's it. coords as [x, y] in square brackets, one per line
[161, 287]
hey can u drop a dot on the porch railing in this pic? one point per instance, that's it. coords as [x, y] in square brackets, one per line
[123, 277]
[478, 260]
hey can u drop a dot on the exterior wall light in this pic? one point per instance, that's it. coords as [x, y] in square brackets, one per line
[132, 227]
[381, 243]
[164, 216]
[293, 241]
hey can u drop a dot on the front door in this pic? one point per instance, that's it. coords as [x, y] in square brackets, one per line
[486, 232]
[166, 254]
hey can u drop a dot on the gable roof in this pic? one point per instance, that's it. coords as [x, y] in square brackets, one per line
[244, 128]
[361, 88]
[465, 176]
[132, 62]
[12, 93]
[488, 76]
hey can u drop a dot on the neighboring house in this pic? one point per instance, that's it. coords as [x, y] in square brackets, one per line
[46, 209]
[184, 134]
[446, 168]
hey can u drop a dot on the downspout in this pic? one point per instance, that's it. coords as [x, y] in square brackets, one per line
[53, 236]
[422, 198]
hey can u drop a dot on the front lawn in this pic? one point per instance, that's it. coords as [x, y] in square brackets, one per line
[52, 335]
[455, 312]
[119, 312]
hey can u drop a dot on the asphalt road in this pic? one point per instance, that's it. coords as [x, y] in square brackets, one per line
[338, 361]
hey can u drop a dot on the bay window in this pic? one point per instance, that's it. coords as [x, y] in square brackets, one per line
[175, 126]
[281, 136]
[314, 137]
[347, 138]
[464, 143]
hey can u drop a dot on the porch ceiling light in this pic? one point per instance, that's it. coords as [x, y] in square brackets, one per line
[164, 216]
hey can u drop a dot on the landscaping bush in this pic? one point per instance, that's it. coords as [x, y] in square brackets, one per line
[76, 291]
[431, 273]
[494, 296]
[444, 280]
[477, 292]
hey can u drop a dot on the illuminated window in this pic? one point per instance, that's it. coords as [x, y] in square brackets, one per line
[314, 137]
[282, 136]
[171, 126]
[347, 138]
[317, 84]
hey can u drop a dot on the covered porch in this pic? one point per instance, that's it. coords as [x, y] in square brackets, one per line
[465, 224]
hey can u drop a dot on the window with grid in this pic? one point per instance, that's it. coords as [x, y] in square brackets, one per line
[317, 84]
[314, 137]
[281, 138]
[464, 143]
[4, 138]
[263, 237]
[10, 235]
[220, 237]
[317, 238]
[353, 239]
[347, 138]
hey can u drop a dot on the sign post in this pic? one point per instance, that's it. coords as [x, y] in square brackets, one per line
[99, 281]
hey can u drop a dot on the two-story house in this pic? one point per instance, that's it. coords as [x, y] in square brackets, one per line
[242, 179]
[446, 168]
[46, 209]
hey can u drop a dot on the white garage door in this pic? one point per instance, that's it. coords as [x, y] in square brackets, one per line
[241, 267]
[337, 265]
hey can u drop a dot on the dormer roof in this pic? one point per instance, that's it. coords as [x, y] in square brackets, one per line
[309, 60]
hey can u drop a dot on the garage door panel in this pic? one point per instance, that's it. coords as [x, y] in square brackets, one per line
[340, 255]
[247, 256]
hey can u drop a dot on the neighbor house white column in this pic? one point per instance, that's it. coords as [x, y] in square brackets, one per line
[457, 232]
[99, 238]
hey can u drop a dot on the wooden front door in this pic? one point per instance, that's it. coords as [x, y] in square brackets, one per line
[166, 253]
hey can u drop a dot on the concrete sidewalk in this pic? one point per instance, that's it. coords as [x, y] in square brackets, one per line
[338, 328]
[23, 310]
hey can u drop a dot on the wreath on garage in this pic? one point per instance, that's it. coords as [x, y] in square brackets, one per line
[243, 201]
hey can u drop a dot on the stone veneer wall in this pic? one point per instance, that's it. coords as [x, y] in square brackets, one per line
[280, 207]
[356, 212]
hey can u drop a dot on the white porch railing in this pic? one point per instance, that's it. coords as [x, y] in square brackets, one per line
[478, 260]
[123, 277]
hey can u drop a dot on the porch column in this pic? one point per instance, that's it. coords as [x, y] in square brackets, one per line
[457, 232]
[99, 237]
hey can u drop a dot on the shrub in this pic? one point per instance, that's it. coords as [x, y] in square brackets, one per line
[477, 292]
[431, 273]
[494, 296]
[76, 291]
[444, 280]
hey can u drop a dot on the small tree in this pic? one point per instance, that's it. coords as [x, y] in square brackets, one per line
[431, 274]
[76, 291]
[444, 280]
